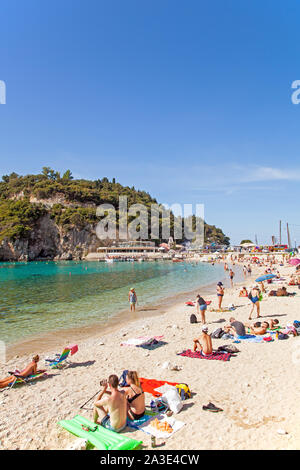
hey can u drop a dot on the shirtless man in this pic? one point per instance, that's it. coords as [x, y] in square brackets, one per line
[113, 408]
[31, 369]
[258, 328]
[205, 346]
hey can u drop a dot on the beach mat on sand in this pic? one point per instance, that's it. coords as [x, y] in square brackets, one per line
[251, 338]
[215, 356]
[101, 438]
[142, 341]
[149, 385]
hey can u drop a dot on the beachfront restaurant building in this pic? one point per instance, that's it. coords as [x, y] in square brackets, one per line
[129, 249]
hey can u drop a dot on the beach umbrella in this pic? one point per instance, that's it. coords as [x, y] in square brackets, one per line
[266, 277]
[294, 261]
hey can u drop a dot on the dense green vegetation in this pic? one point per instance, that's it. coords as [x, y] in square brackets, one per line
[18, 215]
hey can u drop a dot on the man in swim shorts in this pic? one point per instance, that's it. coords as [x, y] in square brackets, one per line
[113, 408]
[205, 346]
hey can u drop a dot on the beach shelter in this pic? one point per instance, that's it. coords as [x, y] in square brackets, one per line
[266, 277]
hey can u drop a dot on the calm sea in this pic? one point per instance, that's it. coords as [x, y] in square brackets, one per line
[38, 297]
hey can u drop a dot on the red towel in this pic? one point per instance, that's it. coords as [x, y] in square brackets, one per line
[214, 356]
[73, 348]
[149, 385]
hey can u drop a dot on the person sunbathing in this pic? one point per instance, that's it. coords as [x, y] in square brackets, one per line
[31, 369]
[258, 328]
[274, 324]
[135, 396]
[243, 292]
[205, 346]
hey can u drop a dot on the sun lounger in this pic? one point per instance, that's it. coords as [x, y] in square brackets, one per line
[60, 360]
[23, 380]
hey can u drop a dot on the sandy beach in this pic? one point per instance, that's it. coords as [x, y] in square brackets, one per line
[257, 389]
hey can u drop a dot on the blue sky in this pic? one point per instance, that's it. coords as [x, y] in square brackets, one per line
[190, 101]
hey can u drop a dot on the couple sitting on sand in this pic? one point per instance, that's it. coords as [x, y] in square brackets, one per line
[237, 328]
[119, 404]
[31, 369]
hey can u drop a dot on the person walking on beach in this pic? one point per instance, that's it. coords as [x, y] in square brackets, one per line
[245, 271]
[201, 307]
[254, 296]
[231, 276]
[132, 298]
[220, 294]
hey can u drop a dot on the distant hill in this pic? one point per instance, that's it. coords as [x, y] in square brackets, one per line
[49, 215]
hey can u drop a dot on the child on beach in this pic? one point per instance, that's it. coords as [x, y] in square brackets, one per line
[132, 298]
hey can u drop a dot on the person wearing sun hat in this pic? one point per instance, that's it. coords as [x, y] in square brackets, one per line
[204, 343]
[132, 298]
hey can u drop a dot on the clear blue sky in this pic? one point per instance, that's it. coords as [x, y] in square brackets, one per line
[189, 100]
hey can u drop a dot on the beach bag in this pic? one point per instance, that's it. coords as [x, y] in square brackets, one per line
[193, 318]
[218, 333]
[230, 348]
[122, 379]
[172, 400]
[184, 391]
[282, 336]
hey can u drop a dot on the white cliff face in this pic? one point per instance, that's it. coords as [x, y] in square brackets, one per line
[49, 241]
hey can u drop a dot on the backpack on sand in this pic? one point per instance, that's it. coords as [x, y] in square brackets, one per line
[184, 391]
[193, 318]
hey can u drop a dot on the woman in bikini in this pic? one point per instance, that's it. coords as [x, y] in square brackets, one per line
[220, 294]
[135, 396]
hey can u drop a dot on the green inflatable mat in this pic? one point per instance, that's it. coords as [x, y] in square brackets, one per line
[101, 438]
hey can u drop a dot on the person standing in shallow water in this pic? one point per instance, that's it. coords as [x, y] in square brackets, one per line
[132, 298]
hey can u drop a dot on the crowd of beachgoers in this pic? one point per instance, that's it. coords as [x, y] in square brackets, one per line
[232, 358]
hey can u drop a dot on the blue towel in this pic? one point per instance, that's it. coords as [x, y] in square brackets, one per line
[251, 338]
[138, 422]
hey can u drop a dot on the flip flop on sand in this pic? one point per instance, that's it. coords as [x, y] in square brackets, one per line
[211, 407]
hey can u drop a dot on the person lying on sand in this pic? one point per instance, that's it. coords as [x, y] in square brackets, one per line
[112, 408]
[235, 327]
[31, 369]
[204, 343]
[258, 328]
[273, 324]
[135, 396]
[281, 292]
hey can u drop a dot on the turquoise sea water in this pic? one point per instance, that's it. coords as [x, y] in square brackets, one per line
[42, 296]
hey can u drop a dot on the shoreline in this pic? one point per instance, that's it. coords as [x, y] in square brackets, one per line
[248, 388]
[57, 338]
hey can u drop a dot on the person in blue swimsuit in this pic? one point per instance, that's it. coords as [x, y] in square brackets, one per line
[132, 298]
[254, 296]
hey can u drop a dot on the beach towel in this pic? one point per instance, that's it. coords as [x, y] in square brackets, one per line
[150, 385]
[215, 356]
[137, 423]
[142, 341]
[251, 338]
[154, 431]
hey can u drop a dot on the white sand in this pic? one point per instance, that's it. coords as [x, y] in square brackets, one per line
[257, 390]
